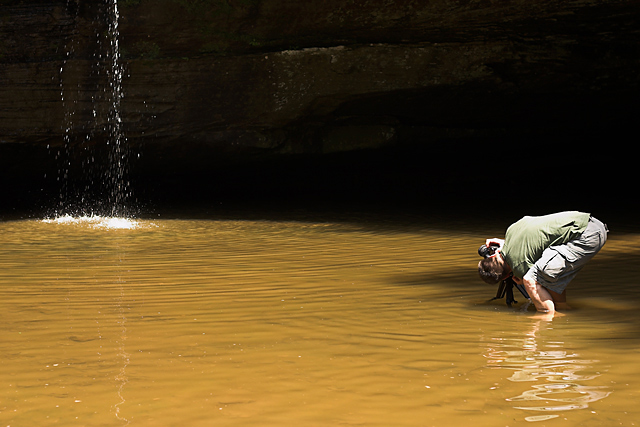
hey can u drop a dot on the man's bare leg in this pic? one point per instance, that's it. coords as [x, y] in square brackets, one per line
[560, 300]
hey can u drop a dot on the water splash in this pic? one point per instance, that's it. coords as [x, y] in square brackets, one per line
[96, 221]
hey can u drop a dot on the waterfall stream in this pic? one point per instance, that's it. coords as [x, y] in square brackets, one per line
[117, 173]
[93, 161]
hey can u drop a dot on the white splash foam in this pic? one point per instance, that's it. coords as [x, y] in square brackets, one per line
[95, 221]
[118, 223]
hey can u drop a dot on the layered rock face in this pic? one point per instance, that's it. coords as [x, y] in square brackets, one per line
[443, 85]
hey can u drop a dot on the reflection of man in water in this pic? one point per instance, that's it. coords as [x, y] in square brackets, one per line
[559, 376]
[545, 253]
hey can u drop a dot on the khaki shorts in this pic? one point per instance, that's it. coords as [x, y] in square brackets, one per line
[558, 265]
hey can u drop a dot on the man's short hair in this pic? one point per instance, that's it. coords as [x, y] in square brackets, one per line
[491, 271]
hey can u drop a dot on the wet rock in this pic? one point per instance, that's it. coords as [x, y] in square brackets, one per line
[211, 80]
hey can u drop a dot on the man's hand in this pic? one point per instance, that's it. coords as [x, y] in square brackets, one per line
[494, 242]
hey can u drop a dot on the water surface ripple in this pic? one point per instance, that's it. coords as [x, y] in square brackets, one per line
[308, 323]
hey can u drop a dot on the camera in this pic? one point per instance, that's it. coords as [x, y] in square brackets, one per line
[486, 251]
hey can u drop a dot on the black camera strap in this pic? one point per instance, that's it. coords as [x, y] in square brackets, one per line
[505, 289]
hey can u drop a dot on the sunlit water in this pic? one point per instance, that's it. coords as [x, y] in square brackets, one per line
[96, 221]
[113, 322]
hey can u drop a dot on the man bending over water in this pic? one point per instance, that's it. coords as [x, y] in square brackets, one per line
[544, 253]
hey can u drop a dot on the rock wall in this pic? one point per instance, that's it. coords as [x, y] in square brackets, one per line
[212, 81]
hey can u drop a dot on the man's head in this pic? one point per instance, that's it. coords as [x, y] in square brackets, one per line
[493, 270]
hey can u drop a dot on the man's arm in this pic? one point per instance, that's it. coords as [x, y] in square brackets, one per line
[540, 297]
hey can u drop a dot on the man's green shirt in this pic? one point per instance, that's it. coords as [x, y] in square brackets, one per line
[526, 239]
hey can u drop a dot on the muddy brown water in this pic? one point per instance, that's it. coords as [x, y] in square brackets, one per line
[305, 323]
